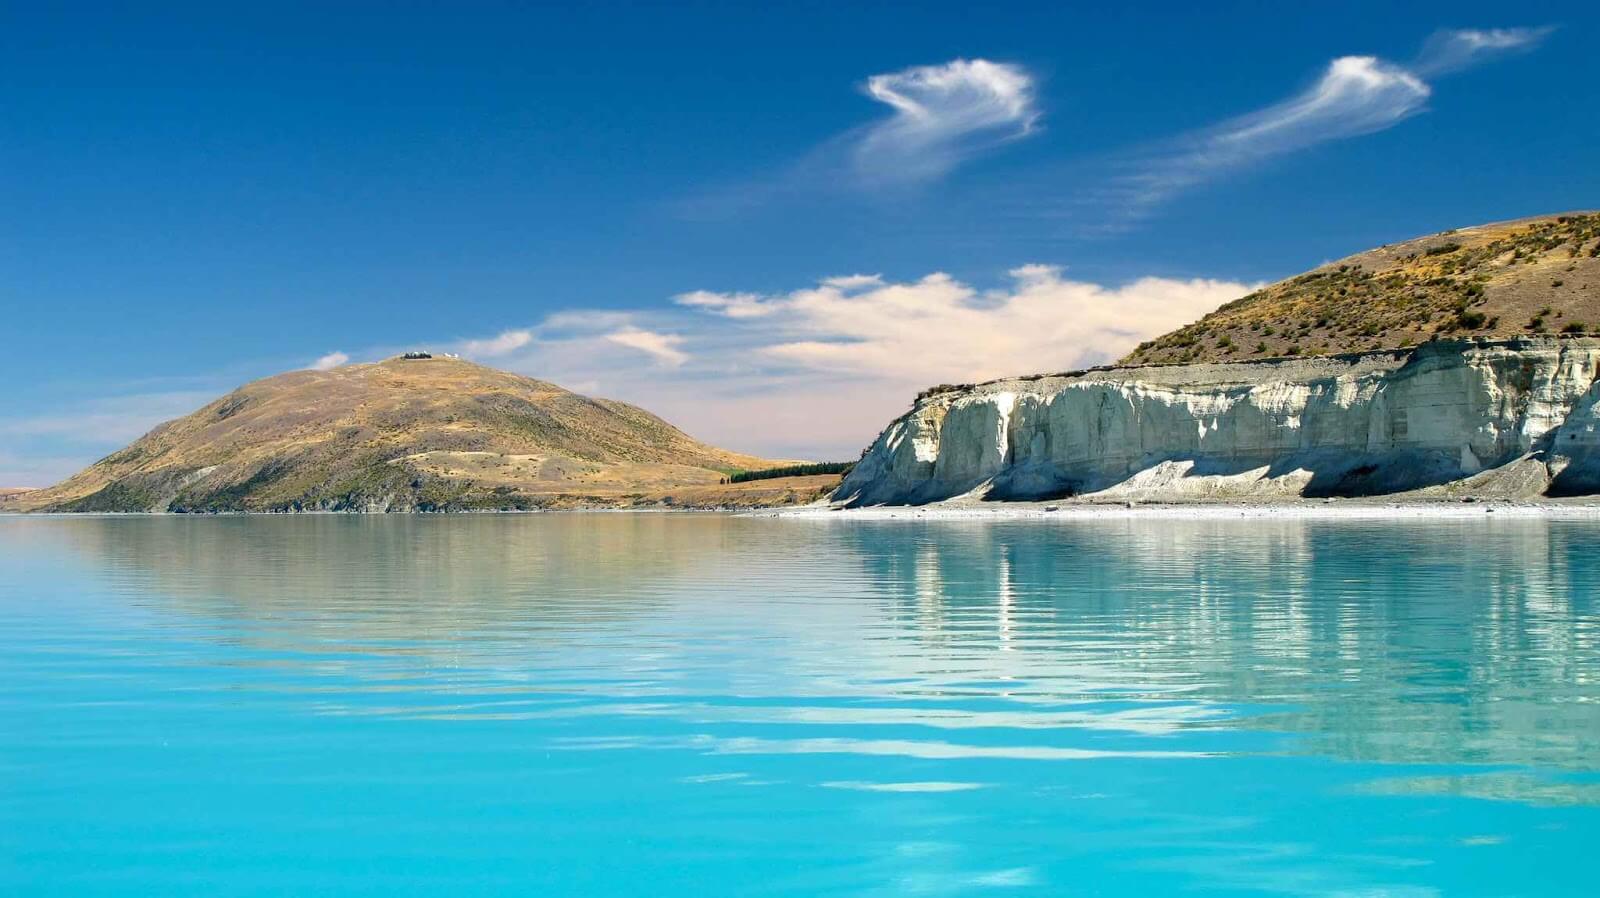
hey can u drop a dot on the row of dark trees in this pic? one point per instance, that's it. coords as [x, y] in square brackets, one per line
[826, 467]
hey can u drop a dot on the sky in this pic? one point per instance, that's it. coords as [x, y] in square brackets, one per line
[769, 223]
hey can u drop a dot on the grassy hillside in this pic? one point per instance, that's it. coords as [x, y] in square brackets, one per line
[429, 434]
[1538, 275]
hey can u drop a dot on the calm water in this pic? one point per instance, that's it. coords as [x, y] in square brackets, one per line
[702, 705]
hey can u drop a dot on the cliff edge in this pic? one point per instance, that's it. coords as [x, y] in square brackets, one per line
[1505, 418]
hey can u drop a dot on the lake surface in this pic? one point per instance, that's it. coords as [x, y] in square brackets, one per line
[652, 704]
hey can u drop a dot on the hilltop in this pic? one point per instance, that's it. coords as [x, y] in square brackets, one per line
[1530, 276]
[411, 434]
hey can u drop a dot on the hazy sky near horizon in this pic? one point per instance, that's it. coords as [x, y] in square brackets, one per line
[769, 225]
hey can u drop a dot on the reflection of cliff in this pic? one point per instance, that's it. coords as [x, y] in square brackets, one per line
[1303, 628]
[1453, 643]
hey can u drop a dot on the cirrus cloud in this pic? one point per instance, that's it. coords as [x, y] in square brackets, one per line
[1455, 49]
[1354, 96]
[943, 114]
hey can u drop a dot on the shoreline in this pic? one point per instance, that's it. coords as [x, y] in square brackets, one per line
[1575, 508]
[1585, 508]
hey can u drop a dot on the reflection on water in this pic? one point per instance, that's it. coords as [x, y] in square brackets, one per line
[617, 703]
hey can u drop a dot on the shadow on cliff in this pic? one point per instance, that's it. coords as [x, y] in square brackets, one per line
[1192, 476]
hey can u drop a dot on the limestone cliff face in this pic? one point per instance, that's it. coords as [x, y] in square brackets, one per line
[1513, 418]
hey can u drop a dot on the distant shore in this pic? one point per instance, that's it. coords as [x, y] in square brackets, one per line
[1373, 508]
[1578, 508]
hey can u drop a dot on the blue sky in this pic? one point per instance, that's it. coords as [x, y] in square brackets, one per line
[767, 224]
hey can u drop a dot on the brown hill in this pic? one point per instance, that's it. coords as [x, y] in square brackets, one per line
[411, 434]
[1534, 275]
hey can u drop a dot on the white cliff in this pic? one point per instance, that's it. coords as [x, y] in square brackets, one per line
[1512, 418]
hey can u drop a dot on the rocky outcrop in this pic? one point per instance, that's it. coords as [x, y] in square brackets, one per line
[1512, 417]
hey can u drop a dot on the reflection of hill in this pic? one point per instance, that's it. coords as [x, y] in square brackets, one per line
[407, 580]
[1460, 643]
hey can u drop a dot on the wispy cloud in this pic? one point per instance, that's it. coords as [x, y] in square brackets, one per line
[943, 114]
[733, 305]
[506, 341]
[661, 347]
[1456, 49]
[42, 448]
[939, 117]
[1354, 96]
[817, 371]
[813, 372]
[331, 360]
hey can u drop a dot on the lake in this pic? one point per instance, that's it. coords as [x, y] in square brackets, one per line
[685, 704]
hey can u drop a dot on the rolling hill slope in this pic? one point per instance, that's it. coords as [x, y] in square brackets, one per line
[410, 434]
[1531, 276]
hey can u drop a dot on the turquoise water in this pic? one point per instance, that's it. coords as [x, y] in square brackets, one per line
[706, 705]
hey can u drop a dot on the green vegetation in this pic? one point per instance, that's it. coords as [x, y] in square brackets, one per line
[826, 467]
[941, 388]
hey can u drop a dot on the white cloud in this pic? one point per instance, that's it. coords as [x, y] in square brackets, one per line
[1453, 50]
[43, 448]
[816, 372]
[331, 360]
[662, 347]
[853, 281]
[506, 341]
[120, 419]
[810, 373]
[940, 329]
[942, 114]
[939, 116]
[734, 305]
[1354, 96]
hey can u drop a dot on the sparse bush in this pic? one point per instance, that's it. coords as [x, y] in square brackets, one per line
[1574, 327]
[1443, 249]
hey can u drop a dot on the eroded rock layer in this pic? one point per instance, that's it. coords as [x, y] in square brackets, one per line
[1496, 418]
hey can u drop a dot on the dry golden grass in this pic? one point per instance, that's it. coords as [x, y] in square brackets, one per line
[429, 434]
[1539, 275]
